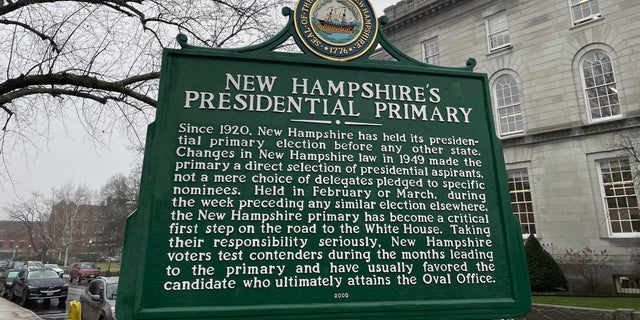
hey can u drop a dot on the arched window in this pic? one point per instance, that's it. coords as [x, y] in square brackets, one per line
[601, 93]
[508, 105]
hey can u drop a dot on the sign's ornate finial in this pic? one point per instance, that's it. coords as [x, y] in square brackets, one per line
[339, 30]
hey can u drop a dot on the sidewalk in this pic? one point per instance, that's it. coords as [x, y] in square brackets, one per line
[12, 311]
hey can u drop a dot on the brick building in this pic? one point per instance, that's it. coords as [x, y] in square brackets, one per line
[14, 240]
[90, 232]
[84, 232]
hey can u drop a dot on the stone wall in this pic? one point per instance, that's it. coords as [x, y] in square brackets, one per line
[550, 312]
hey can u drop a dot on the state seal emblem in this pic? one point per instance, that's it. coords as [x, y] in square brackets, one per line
[338, 30]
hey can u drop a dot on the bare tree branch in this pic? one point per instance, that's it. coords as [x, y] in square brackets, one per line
[16, 5]
[42, 36]
[33, 214]
[20, 87]
[99, 60]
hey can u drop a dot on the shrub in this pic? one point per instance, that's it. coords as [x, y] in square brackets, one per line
[589, 265]
[544, 272]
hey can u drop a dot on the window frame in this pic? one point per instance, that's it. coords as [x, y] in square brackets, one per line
[524, 203]
[587, 19]
[632, 279]
[586, 87]
[425, 53]
[605, 211]
[499, 107]
[491, 33]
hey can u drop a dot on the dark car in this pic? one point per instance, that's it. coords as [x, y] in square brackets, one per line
[6, 280]
[98, 300]
[84, 271]
[38, 284]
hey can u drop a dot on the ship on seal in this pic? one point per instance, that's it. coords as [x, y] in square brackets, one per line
[336, 23]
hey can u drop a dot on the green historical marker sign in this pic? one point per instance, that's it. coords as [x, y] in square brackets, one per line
[321, 185]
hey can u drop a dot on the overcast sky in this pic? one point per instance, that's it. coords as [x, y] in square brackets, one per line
[69, 157]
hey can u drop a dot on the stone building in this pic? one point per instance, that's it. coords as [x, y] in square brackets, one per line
[563, 76]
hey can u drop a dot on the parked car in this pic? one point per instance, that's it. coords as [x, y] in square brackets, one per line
[16, 264]
[83, 271]
[98, 300]
[6, 280]
[55, 268]
[38, 284]
[33, 264]
[3, 264]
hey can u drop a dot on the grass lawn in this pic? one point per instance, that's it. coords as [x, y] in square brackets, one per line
[115, 267]
[611, 303]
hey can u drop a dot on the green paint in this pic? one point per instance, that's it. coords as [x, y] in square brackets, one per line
[280, 185]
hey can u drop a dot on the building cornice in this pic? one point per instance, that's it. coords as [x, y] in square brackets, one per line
[401, 14]
[574, 132]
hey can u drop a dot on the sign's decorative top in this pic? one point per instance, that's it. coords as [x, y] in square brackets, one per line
[284, 186]
[339, 30]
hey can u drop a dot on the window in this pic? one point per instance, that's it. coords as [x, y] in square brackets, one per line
[497, 31]
[1, 244]
[628, 284]
[584, 11]
[508, 105]
[431, 51]
[521, 203]
[600, 89]
[112, 291]
[619, 196]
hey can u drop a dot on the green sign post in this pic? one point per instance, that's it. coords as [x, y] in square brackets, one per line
[287, 186]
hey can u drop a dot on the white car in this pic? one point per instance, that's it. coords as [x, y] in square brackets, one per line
[55, 268]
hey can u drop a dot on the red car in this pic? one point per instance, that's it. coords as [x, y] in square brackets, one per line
[84, 271]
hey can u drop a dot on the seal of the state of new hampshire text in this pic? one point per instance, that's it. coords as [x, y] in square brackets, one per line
[339, 30]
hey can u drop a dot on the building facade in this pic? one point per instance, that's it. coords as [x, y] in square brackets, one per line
[14, 240]
[87, 232]
[563, 76]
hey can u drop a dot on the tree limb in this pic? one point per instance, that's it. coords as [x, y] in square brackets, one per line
[42, 36]
[17, 5]
[20, 87]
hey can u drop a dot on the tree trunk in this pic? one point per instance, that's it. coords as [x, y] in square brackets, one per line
[66, 256]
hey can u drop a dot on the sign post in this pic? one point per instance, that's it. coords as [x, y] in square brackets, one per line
[321, 185]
